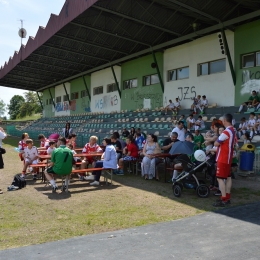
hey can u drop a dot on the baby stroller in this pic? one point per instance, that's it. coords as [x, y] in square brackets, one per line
[187, 178]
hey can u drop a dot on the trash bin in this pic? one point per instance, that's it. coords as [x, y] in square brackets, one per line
[247, 160]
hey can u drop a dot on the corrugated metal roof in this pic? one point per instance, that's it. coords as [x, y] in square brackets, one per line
[93, 34]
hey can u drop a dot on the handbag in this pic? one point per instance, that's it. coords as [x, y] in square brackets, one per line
[2, 150]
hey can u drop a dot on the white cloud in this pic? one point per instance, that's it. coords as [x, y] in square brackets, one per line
[5, 2]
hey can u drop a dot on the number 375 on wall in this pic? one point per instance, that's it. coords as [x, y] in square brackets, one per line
[187, 93]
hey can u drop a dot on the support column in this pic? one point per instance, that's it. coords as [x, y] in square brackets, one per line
[40, 100]
[68, 97]
[158, 71]
[52, 98]
[228, 56]
[86, 86]
[117, 85]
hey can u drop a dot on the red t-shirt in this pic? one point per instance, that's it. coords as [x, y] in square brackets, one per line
[132, 148]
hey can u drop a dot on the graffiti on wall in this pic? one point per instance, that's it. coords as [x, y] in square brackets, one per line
[250, 81]
[138, 96]
[62, 106]
[106, 102]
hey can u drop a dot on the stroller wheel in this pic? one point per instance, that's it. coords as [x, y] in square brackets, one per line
[177, 190]
[203, 191]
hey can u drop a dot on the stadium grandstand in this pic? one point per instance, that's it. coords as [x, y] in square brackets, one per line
[108, 65]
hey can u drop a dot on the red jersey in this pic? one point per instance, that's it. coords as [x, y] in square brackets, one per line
[91, 149]
[22, 145]
[45, 143]
[71, 142]
[226, 147]
[133, 149]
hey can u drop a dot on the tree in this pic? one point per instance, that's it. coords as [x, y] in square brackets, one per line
[14, 106]
[2, 107]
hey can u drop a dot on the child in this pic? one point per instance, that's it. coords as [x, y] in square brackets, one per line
[242, 127]
[44, 144]
[174, 121]
[257, 125]
[30, 157]
[251, 124]
[190, 122]
[76, 159]
[208, 145]
[177, 106]
[203, 105]
[51, 148]
[247, 138]
[72, 140]
[91, 147]
[22, 144]
[199, 124]
[196, 104]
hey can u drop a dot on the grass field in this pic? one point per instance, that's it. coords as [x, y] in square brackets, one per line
[34, 215]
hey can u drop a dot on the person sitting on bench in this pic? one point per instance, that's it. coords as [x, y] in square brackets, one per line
[61, 163]
[109, 162]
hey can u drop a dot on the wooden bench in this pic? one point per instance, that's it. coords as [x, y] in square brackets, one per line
[107, 172]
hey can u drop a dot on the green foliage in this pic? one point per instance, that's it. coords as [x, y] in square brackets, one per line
[2, 107]
[27, 106]
[15, 105]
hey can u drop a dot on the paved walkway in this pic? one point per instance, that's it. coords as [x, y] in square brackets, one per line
[232, 233]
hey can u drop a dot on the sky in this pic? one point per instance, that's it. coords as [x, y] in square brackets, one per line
[35, 13]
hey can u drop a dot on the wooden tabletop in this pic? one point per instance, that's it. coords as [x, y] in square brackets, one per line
[42, 156]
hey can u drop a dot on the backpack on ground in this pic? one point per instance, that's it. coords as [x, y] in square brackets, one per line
[19, 182]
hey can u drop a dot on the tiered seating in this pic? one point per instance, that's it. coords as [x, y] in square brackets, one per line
[105, 124]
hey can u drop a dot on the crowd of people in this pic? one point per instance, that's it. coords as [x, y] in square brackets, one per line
[135, 144]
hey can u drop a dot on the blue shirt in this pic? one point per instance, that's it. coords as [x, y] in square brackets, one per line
[110, 158]
[139, 141]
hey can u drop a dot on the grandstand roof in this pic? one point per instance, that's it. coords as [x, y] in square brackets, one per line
[89, 35]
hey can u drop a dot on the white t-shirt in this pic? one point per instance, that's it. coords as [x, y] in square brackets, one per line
[30, 153]
[191, 120]
[258, 121]
[180, 132]
[177, 104]
[201, 122]
[204, 102]
[242, 125]
[2, 136]
[171, 105]
[50, 150]
[251, 122]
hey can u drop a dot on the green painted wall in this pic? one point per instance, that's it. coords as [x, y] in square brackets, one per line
[82, 104]
[247, 40]
[48, 109]
[133, 98]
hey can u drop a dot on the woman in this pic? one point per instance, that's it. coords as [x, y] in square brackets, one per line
[130, 152]
[22, 144]
[132, 131]
[108, 160]
[148, 164]
[2, 136]
[67, 130]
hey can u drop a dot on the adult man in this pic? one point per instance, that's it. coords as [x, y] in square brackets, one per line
[252, 101]
[168, 142]
[125, 133]
[179, 129]
[2, 136]
[225, 144]
[61, 163]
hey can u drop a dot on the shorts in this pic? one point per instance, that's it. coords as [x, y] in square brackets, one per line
[129, 158]
[33, 162]
[50, 170]
[223, 170]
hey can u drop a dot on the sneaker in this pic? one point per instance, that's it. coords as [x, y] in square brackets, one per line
[34, 177]
[64, 187]
[54, 189]
[217, 193]
[228, 202]
[22, 176]
[12, 187]
[94, 183]
[120, 172]
[89, 178]
[220, 203]
[81, 178]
